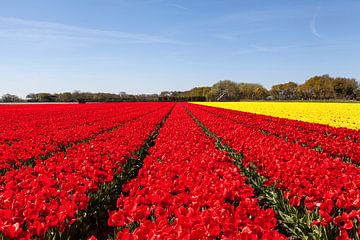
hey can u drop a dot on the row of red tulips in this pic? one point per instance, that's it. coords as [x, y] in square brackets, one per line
[52, 193]
[187, 189]
[323, 184]
[334, 132]
[32, 131]
[334, 141]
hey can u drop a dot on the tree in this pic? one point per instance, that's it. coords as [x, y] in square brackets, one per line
[252, 91]
[41, 97]
[318, 87]
[199, 93]
[224, 90]
[260, 93]
[31, 97]
[326, 87]
[357, 94]
[46, 97]
[65, 97]
[345, 88]
[285, 91]
[165, 94]
[194, 94]
[10, 98]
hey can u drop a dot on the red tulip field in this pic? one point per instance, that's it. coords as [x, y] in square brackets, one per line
[174, 171]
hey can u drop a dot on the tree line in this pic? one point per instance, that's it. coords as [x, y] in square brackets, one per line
[322, 87]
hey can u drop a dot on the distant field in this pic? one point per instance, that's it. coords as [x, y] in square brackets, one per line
[345, 115]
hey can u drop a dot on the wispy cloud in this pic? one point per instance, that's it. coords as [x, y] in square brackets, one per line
[246, 17]
[263, 49]
[350, 44]
[16, 27]
[253, 49]
[313, 28]
[170, 3]
[178, 6]
[227, 36]
[236, 35]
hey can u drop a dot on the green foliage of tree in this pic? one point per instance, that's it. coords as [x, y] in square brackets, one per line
[41, 97]
[224, 90]
[199, 92]
[285, 91]
[252, 91]
[318, 87]
[65, 97]
[345, 88]
[326, 87]
[10, 98]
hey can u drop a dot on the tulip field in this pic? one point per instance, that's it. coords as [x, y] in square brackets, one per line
[179, 171]
[341, 115]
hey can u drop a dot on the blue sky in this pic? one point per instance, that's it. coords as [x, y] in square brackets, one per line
[146, 46]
